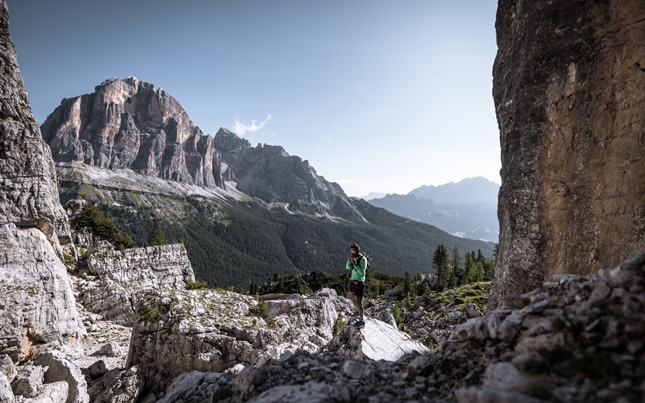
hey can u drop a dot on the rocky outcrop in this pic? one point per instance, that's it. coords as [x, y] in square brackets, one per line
[223, 332]
[127, 123]
[568, 89]
[115, 277]
[37, 303]
[575, 339]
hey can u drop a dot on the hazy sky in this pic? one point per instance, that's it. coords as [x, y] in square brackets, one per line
[378, 95]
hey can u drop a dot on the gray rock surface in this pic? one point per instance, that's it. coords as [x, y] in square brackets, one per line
[38, 303]
[29, 197]
[59, 369]
[6, 394]
[567, 84]
[115, 277]
[215, 331]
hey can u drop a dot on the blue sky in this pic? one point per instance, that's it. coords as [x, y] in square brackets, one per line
[378, 95]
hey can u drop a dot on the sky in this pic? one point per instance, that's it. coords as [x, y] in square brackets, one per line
[380, 96]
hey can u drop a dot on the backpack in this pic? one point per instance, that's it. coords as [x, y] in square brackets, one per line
[367, 262]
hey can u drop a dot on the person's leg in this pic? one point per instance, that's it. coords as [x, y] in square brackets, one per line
[352, 298]
[359, 306]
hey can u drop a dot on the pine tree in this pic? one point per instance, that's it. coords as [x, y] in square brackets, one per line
[457, 268]
[158, 238]
[440, 262]
[470, 267]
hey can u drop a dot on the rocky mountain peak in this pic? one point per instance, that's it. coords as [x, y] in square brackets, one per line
[131, 124]
[227, 141]
[128, 123]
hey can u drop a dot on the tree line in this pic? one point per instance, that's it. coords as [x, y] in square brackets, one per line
[453, 269]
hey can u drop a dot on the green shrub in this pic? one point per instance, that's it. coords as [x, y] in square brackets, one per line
[69, 260]
[339, 324]
[196, 285]
[103, 226]
[261, 310]
[152, 314]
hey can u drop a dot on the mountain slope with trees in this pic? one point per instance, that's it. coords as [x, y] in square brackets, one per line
[242, 242]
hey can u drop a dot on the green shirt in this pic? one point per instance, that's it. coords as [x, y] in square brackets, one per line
[358, 270]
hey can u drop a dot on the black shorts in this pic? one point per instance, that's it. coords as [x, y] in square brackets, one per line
[357, 288]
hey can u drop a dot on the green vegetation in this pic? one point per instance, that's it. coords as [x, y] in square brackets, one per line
[69, 260]
[103, 226]
[153, 313]
[158, 238]
[261, 310]
[238, 245]
[196, 285]
[339, 324]
[474, 293]
[451, 274]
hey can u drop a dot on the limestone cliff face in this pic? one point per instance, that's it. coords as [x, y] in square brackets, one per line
[127, 123]
[116, 276]
[28, 196]
[37, 301]
[568, 88]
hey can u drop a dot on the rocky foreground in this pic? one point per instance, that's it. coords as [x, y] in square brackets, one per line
[577, 339]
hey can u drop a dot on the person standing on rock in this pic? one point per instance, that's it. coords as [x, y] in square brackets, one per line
[357, 263]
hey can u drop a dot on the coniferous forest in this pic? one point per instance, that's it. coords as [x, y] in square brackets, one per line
[241, 244]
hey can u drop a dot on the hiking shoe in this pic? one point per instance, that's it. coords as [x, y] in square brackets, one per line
[358, 323]
[354, 315]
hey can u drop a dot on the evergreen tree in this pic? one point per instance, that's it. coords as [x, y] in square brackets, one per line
[457, 268]
[440, 262]
[158, 238]
[470, 268]
[406, 284]
[103, 226]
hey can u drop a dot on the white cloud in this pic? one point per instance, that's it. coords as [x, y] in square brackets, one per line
[241, 128]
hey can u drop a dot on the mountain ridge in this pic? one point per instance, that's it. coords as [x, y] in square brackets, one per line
[467, 208]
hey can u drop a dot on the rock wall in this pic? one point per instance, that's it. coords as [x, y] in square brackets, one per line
[115, 277]
[568, 89]
[37, 304]
[28, 196]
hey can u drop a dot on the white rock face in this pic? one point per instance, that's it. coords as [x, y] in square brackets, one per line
[116, 277]
[382, 341]
[37, 300]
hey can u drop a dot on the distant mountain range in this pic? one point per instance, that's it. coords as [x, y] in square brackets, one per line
[465, 209]
[244, 213]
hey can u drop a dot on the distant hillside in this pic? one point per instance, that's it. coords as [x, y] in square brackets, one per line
[466, 209]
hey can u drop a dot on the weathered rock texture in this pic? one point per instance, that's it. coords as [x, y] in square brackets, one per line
[28, 194]
[127, 123]
[37, 302]
[116, 277]
[271, 174]
[219, 331]
[568, 88]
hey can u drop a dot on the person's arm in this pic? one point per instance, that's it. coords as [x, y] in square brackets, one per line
[349, 265]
